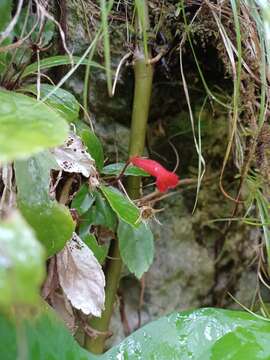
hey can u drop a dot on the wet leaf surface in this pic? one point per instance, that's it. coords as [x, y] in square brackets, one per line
[204, 334]
[22, 263]
[43, 338]
[30, 126]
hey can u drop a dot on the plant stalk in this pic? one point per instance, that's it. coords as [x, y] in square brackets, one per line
[142, 95]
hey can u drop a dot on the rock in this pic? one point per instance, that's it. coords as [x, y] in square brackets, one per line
[115, 137]
[183, 271]
[244, 294]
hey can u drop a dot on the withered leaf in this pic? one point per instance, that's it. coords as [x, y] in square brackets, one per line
[81, 277]
[73, 157]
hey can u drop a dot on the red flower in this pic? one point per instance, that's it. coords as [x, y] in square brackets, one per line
[165, 179]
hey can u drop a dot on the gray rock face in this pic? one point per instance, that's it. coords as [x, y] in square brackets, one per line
[182, 272]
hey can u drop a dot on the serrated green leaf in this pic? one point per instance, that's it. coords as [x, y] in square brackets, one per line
[124, 208]
[51, 221]
[22, 263]
[27, 126]
[61, 100]
[83, 200]
[94, 147]
[136, 247]
[54, 61]
[116, 169]
[100, 251]
[204, 334]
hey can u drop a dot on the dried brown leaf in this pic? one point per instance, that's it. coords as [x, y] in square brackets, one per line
[73, 157]
[81, 277]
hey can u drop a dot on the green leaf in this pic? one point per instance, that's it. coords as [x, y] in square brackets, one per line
[44, 337]
[204, 334]
[33, 178]
[136, 247]
[100, 251]
[37, 35]
[94, 146]
[123, 207]
[27, 126]
[104, 214]
[5, 11]
[61, 100]
[22, 263]
[116, 169]
[54, 61]
[5, 18]
[105, 8]
[51, 221]
[83, 200]
[99, 214]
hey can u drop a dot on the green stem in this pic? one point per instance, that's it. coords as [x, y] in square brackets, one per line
[87, 76]
[141, 103]
[96, 345]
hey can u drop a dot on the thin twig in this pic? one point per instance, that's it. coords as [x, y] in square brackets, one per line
[45, 13]
[124, 58]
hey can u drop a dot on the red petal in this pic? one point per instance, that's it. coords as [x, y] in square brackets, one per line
[150, 166]
[165, 179]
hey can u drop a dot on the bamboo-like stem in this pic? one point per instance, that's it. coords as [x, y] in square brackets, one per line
[142, 95]
[96, 345]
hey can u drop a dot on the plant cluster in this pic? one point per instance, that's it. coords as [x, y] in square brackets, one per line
[69, 220]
